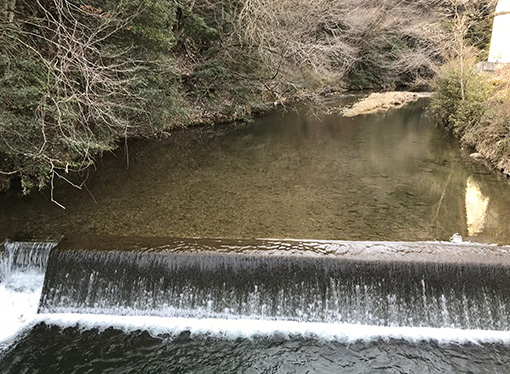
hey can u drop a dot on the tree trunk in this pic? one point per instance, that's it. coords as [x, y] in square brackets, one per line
[462, 74]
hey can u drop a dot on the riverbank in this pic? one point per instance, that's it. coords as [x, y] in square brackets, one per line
[72, 91]
[479, 115]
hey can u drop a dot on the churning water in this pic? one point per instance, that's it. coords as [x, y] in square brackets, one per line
[22, 268]
[165, 309]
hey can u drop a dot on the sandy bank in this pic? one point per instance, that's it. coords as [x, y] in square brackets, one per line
[383, 101]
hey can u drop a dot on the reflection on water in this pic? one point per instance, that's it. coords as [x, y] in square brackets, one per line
[391, 176]
[476, 207]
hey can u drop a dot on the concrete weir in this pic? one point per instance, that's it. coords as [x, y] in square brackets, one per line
[383, 284]
[152, 300]
[374, 251]
[436, 285]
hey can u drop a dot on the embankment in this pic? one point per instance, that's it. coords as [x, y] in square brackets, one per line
[475, 107]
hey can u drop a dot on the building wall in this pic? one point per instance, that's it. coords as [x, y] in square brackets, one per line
[500, 42]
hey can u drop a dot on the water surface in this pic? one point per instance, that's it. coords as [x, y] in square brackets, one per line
[392, 176]
[49, 349]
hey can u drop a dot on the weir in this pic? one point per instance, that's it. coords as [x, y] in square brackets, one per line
[22, 267]
[24, 255]
[238, 282]
[330, 283]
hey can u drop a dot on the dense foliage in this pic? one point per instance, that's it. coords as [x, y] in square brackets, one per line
[75, 77]
[78, 76]
[475, 105]
[480, 119]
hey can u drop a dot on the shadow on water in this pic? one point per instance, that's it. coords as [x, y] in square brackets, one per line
[392, 176]
[52, 350]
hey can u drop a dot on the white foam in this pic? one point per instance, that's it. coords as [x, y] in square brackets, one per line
[248, 328]
[19, 298]
[20, 292]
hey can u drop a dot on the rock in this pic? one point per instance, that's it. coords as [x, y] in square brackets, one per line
[476, 155]
[456, 238]
[382, 101]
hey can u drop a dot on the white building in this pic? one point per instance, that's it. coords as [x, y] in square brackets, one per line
[500, 42]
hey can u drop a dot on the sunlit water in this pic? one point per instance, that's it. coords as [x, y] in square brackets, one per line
[22, 268]
[392, 176]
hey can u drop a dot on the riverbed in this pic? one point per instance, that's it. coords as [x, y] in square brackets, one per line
[303, 175]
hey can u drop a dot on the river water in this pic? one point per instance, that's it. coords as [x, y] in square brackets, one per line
[95, 308]
[393, 176]
[163, 310]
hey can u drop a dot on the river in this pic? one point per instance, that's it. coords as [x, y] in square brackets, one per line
[178, 305]
[393, 176]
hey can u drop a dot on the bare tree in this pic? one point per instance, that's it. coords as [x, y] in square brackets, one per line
[464, 14]
[88, 86]
[334, 37]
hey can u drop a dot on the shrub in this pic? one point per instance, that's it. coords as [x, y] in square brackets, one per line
[480, 119]
[459, 112]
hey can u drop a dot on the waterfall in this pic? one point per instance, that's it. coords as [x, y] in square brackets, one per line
[24, 255]
[22, 267]
[323, 289]
[342, 288]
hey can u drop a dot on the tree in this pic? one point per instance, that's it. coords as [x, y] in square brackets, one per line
[465, 15]
[73, 80]
[366, 42]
